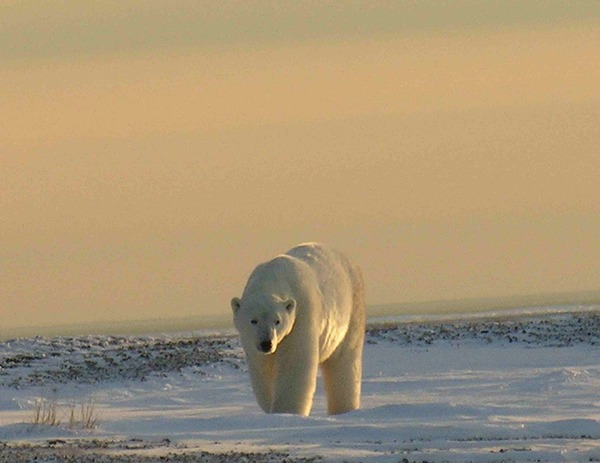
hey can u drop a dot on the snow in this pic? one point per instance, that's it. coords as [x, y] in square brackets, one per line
[495, 388]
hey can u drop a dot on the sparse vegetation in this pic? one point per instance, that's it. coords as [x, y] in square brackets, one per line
[84, 416]
[88, 417]
[45, 412]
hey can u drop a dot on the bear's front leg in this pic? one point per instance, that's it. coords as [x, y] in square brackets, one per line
[295, 380]
[261, 370]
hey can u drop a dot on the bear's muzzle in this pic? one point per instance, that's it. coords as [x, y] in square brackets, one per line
[266, 346]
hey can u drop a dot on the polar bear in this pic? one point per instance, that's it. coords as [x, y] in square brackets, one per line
[301, 310]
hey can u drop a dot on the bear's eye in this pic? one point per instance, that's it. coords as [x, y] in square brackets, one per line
[254, 322]
[277, 322]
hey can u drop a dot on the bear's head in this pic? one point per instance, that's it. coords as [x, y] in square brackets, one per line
[263, 323]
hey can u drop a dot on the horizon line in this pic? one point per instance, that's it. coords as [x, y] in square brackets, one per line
[221, 321]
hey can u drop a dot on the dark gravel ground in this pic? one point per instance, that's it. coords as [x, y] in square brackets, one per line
[555, 330]
[91, 359]
[96, 451]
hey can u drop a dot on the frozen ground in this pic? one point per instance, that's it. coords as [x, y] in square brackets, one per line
[523, 388]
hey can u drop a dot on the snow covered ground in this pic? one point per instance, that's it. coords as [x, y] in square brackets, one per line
[496, 388]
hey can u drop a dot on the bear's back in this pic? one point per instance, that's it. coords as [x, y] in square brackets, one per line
[334, 274]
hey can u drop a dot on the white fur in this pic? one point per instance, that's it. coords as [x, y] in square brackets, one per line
[299, 311]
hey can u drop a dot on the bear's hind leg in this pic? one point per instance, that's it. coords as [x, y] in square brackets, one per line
[342, 372]
[342, 377]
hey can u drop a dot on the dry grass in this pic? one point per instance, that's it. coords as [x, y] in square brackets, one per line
[45, 412]
[87, 418]
[84, 416]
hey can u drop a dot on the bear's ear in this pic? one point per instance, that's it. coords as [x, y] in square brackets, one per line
[290, 305]
[236, 303]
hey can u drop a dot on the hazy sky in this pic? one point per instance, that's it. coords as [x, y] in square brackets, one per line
[153, 152]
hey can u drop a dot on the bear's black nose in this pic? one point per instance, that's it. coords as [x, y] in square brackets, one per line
[266, 346]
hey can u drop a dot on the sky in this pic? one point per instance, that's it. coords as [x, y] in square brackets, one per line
[153, 153]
